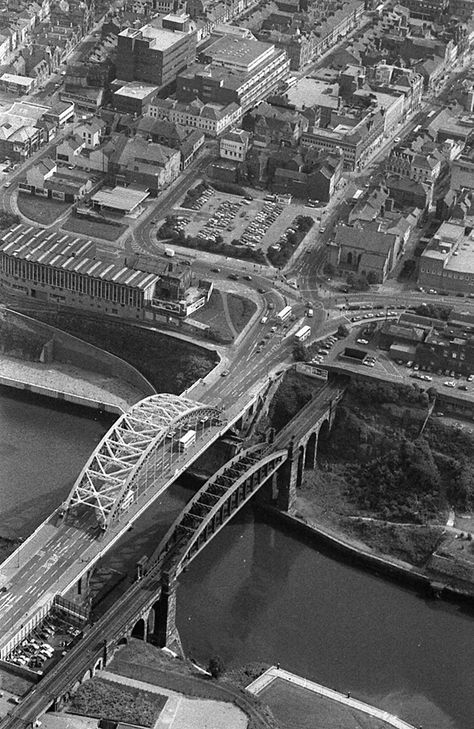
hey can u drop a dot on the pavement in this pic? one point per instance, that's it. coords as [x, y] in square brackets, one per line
[71, 380]
[275, 673]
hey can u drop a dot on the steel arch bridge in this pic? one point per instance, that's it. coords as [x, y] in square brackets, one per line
[139, 448]
[214, 505]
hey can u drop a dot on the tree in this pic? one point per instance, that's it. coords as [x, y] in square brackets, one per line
[342, 331]
[216, 666]
[300, 353]
[372, 277]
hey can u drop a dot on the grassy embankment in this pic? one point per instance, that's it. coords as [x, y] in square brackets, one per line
[381, 483]
[169, 364]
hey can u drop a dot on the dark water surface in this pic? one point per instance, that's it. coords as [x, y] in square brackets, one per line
[259, 593]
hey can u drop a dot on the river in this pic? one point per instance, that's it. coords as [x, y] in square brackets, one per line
[259, 593]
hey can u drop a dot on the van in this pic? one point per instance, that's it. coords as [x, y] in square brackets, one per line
[264, 320]
[310, 313]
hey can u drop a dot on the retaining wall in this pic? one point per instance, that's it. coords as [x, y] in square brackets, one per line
[71, 350]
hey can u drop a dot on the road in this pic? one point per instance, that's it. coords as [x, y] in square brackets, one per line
[76, 661]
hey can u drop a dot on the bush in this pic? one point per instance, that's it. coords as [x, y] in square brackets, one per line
[117, 702]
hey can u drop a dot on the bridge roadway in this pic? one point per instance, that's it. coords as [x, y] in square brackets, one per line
[74, 665]
[60, 553]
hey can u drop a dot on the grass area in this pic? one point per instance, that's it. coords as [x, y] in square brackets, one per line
[297, 708]
[94, 229]
[16, 685]
[41, 210]
[116, 702]
[144, 662]
[7, 546]
[170, 364]
[241, 310]
[213, 314]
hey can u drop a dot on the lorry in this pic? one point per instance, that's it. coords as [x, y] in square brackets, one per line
[187, 440]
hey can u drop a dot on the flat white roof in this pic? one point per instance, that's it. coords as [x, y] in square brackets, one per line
[11, 78]
[136, 91]
[120, 198]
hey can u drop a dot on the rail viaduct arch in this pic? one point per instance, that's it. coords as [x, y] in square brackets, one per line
[148, 608]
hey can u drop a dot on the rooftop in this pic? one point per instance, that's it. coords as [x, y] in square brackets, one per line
[309, 92]
[68, 253]
[159, 38]
[120, 198]
[241, 53]
[135, 90]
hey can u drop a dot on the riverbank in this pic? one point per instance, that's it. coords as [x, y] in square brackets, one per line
[299, 704]
[67, 382]
[381, 564]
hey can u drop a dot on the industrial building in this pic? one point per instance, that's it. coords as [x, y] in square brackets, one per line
[54, 267]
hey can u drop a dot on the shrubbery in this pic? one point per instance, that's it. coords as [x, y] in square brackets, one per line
[107, 700]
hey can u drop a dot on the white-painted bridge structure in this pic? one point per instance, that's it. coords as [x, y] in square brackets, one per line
[135, 462]
[139, 449]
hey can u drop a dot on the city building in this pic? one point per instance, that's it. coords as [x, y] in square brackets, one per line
[447, 263]
[406, 162]
[66, 270]
[188, 141]
[309, 176]
[462, 170]
[133, 97]
[22, 129]
[154, 55]
[63, 269]
[18, 85]
[271, 124]
[211, 118]
[234, 144]
[364, 249]
[140, 162]
[238, 70]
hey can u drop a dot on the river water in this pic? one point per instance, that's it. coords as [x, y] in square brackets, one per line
[259, 593]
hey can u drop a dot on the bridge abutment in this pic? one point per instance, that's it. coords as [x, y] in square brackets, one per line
[166, 632]
[286, 481]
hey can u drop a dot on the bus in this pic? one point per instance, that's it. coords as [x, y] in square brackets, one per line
[187, 440]
[302, 334]
[284, 314]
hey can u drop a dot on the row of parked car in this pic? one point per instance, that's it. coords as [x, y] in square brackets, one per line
[324, 348]
[222, 218]
[202, 199]
[33, 652]
[257, 229]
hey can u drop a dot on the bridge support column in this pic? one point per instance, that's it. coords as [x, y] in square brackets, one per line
[287, 480]
[166, 631]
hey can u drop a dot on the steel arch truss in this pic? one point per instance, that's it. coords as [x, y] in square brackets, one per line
[215, 504]
[111, 481]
